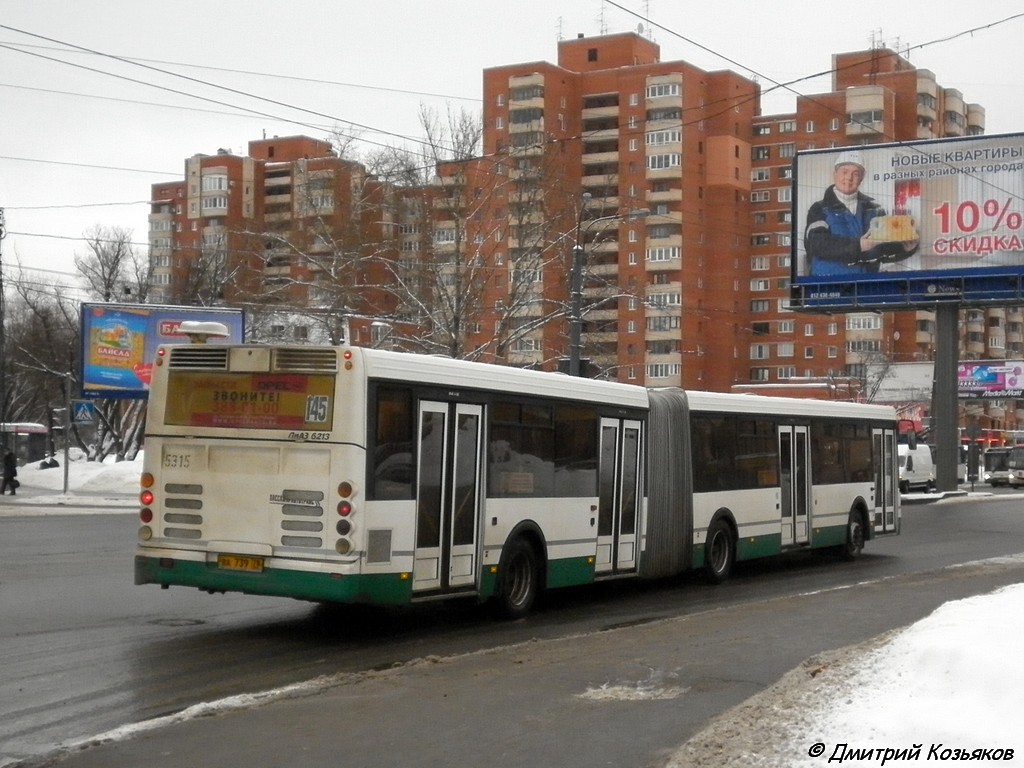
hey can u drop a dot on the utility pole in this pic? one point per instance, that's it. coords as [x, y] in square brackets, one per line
[3, 350]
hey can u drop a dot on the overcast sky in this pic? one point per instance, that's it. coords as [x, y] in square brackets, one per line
[84, 135]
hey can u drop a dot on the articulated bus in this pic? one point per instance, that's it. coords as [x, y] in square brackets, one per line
[352, 475]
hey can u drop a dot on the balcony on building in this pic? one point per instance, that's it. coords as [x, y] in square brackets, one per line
[865, 110]
[975, 120]
[954, 117]
[600, 106]
[526, 120]
[526, 91]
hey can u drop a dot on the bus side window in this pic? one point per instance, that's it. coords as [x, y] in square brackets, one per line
[391, 466]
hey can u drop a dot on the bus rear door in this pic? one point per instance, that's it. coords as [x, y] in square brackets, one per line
[447, 496]
[618, 513]
[887, 480]
[794, 477]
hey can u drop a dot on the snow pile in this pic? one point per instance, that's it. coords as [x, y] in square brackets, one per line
[954, 680]
[88, 480]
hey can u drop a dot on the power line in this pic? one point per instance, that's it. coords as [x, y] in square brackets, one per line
[276, 76]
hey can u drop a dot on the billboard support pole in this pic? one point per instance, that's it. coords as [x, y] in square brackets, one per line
[945, 407]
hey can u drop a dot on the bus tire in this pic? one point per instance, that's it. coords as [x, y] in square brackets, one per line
[518, 580]
[719, 552]
[854, 545]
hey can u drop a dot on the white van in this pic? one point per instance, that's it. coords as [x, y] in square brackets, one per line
[917, 468]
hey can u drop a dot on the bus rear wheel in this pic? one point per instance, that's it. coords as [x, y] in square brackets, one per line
[518, 580]
[719, 552]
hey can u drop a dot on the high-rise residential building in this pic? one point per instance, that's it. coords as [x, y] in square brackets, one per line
[287, 226]
[697, 293]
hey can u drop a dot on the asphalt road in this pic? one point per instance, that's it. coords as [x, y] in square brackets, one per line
[617, 675]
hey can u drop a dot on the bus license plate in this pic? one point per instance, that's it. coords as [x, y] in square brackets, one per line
[239, 563]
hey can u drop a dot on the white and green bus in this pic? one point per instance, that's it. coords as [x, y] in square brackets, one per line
[366, 476]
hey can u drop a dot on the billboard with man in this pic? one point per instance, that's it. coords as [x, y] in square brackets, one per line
[897, 226]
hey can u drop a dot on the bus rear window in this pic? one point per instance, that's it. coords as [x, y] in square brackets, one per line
[292, 401]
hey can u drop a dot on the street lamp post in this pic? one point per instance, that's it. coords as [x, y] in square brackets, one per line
[576, 280]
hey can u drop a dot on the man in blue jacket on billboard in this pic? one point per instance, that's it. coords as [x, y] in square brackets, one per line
[839, 239]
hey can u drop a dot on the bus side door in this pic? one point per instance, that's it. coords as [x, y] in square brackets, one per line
[794, 476]
[887, 480]
[447, 496]
[618, 511]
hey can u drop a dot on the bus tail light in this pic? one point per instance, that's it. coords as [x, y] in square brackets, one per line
[146, 497]
[345, 509]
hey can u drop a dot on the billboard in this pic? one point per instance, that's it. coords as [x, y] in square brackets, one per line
[909, 225]
[992, 379]
[119, 343]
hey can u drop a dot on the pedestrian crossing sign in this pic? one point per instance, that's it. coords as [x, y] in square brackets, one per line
[84, 412]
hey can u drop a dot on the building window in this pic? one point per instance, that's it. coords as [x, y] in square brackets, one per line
[759, 374]
[759, 351]
[760, 174]
[658, 162]
[214, 182]
[760, 305]
[787, 126]
[760, 284]
[786, 326]
[664, 253]
[867, 117]
[762, 130]
[761, 153]
[761, 196]
[785, 194]
[663, 370]
[787, 150]
[785, 349]
[809, 126]
[659, 138]
[870, 322]
[659, 90]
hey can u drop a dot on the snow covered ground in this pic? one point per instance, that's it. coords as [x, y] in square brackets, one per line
[111, 482]
[954, 679]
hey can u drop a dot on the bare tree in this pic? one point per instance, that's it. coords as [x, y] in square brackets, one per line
[112, 271]
[42, 348]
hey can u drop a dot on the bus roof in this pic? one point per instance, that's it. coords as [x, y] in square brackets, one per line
[762, 404]
[463, 373]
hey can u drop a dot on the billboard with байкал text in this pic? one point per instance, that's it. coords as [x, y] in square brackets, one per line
[119, 342]
[909, 225]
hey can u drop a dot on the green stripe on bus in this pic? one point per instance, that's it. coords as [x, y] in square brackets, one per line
[389, 588]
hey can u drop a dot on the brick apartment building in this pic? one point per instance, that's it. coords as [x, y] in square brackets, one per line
[694, 294]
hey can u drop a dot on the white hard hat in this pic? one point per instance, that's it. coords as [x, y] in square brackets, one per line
[850, 157]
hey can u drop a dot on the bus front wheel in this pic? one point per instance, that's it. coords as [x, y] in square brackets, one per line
[719, 552]
[518, 580]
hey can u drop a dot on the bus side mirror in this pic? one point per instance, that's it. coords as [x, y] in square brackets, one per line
[912, 440]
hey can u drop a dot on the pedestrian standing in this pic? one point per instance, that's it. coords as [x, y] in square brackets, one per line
[10, 472]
